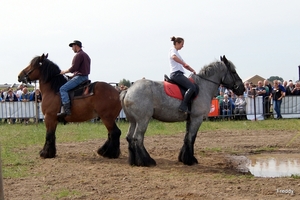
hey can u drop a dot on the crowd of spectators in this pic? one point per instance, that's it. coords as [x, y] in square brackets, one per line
[234, 107]
[121, 87]
[20, 94]
[230, 105]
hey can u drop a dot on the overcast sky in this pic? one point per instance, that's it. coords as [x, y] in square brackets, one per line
[131, 38]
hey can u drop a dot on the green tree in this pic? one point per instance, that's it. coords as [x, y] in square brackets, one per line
[125, 82]
[272, 78]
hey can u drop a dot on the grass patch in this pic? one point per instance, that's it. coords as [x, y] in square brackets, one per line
[264, 149]
[295, 176]
[66, 193]
[213, 149]
[293, 139]
[16, 139]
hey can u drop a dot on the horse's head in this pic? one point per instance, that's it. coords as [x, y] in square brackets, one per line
[32, 71]
[232, 80]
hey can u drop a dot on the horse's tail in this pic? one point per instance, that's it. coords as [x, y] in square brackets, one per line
[122, 96]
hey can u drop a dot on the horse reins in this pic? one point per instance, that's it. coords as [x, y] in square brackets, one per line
[228, 70]
[233, 78]
[29, 72]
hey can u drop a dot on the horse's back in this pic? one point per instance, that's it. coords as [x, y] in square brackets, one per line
[137, 99]
[141, 89]
[105, 91]
[104, 103]
[146, 98]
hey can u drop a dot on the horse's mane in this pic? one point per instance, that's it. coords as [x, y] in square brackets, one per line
[215, 67]
[50, 73]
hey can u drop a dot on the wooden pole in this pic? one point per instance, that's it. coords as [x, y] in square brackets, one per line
[1, 179]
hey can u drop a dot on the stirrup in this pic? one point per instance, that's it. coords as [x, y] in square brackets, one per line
[185, 111]
[62, 114]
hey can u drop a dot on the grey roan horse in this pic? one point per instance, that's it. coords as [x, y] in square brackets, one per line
[146, 99]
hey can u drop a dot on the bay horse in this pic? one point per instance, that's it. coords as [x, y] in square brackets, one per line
[103, 103]
[147, 99]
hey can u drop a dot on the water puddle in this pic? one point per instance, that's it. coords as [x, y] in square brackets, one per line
[268, 165]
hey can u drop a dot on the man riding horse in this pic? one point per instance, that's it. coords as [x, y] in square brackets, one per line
[81, 69]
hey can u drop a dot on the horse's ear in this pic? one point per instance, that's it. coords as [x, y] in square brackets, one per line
[224, 59]
[43, 57]
[221, 58]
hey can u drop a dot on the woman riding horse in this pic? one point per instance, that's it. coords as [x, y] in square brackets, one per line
[157, 104]
[177, 66]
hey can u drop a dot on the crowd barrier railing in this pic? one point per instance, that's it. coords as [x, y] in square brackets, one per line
[260, 108]
[257, 108]
[18, 109]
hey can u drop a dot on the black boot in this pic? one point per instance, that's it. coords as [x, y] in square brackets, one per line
[186, 99]
[67, 110]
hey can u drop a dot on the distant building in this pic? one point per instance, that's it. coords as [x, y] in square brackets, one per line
[15, 86]
[254, 79]
[6, 85]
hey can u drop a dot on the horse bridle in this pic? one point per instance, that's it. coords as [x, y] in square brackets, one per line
[232, 77]
[226, 85]
[26, 79]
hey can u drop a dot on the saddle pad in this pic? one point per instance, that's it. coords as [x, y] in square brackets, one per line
[172, 90]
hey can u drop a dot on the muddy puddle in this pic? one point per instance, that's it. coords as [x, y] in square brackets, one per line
[267, 165]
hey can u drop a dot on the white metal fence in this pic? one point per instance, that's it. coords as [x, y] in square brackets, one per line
[290, 108]
[19, 109]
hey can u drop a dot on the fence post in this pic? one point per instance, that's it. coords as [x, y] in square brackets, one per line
[254, 99]
[36, 106]
[1, 179]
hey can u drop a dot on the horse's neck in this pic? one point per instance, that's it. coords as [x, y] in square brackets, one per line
[207, 87]
[45, 89]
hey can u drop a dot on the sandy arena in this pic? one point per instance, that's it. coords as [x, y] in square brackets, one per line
[79, 173]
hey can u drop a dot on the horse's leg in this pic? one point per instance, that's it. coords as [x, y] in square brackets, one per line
[186, 154]
[111, 148]
[49, 149]
[129, 138]
[138, 154]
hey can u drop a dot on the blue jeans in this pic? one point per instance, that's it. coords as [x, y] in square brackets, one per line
[277, 105]
[226, 113]
[63, 90]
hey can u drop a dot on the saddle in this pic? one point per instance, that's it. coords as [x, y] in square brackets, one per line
[83, 90]
[176, 91]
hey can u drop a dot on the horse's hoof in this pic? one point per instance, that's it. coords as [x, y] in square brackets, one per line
[191, 162]
[43, 154]
[149, 162]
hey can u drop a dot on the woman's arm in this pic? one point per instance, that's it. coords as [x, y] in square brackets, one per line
[282, 95]
[174, 57]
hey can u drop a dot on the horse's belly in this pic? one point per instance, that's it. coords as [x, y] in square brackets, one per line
[169, 115]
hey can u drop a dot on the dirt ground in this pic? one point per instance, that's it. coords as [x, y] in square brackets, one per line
[79, 173]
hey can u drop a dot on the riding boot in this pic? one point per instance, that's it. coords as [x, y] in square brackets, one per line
[186, 99]
[67, 110]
